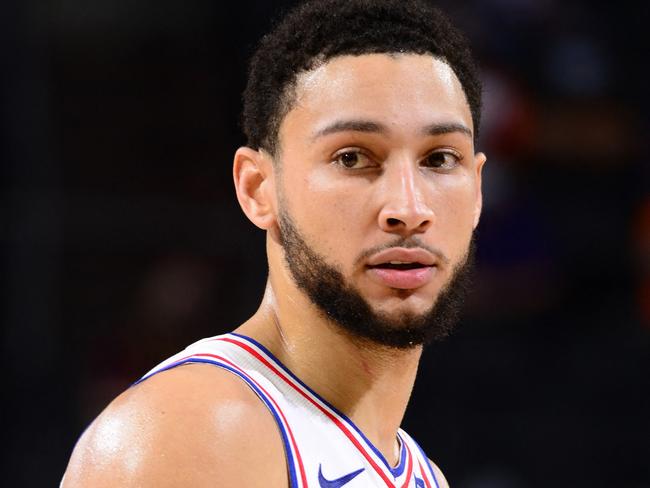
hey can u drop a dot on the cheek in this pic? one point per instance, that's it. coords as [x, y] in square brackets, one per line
[454, 207]
[327, 210]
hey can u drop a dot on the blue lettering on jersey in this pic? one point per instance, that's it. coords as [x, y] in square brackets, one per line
[419, 483]
[338, 482]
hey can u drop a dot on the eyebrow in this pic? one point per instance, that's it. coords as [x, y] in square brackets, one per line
[360, 125]
[448, 128]
[353, 125]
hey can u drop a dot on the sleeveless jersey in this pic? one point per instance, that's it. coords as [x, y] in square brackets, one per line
[323, 448]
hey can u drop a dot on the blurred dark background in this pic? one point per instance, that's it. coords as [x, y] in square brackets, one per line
[122, 241]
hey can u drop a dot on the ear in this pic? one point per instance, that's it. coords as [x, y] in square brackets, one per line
[254, 183]
[479, 161]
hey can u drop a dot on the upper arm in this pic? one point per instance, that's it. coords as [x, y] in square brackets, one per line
[189, 426]
[440, 478]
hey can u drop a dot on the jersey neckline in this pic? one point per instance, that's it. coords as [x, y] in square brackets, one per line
[396, 471]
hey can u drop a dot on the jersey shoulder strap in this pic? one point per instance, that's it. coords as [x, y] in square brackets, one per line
[323, 447]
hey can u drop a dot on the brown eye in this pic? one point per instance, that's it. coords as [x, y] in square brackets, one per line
[353, 160]
[441, 160]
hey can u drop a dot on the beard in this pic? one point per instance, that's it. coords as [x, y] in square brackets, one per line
[344, 306]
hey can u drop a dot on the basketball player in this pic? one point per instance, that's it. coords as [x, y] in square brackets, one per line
[361, 119]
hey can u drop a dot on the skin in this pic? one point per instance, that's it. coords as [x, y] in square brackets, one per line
[197, 424]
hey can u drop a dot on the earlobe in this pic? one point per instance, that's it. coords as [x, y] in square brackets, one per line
[253, 177]
[480, 159]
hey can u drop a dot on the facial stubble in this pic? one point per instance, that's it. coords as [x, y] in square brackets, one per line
[344, 306]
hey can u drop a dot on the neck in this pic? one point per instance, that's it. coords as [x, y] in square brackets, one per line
[370, 384]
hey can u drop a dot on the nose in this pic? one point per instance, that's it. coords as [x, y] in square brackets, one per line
[405, 209]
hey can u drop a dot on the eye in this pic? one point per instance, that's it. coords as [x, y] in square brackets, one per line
[446, 160]
[353, 159]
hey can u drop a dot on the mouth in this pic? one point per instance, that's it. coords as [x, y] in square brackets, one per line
[402, 268]
[399, 265]
[401, 275]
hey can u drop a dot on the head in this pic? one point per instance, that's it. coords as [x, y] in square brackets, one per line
[317, 31]
[361, 118]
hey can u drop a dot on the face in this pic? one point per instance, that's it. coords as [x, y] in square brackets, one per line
[379, 192]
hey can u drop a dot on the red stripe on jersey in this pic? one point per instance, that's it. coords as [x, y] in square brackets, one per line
[334, 419]
[424, 476]
[303, 476]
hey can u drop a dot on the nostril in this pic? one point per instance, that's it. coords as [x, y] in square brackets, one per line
[392, 222]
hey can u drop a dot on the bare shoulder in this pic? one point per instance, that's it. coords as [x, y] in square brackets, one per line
[440, 478]
[193, 424]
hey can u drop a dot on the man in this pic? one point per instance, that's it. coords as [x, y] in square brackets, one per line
[361, 119]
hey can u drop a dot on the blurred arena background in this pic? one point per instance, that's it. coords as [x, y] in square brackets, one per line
[122, 241]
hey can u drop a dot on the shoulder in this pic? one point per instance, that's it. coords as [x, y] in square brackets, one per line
[191, 424]
[440, 478]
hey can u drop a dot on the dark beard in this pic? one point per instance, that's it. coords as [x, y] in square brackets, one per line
[344, 306]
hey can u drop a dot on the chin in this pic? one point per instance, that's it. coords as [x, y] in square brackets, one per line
[404, 302]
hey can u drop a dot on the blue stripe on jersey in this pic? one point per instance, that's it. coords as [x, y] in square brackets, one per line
[426, 461]
[263, 397]
[396, 471]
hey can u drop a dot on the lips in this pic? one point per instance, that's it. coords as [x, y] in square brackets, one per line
[402, 255]
[400, 268]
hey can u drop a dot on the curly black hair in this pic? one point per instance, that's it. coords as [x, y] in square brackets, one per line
[319, 30]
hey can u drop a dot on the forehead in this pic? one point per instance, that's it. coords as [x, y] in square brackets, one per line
[402, 91]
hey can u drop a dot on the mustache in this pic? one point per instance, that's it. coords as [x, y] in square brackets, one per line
[403, 242]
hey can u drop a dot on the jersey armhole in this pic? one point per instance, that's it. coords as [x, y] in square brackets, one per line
[266, 399]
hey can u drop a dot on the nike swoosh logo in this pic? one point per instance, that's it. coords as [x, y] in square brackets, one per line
[338, 482]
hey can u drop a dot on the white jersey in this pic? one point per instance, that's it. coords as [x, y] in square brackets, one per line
[324, 449]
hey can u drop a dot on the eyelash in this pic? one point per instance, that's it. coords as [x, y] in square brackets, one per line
[358, 152]
[457, 158]
[355, 152]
